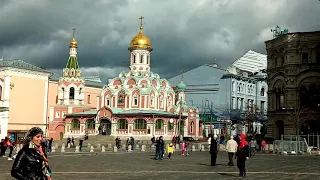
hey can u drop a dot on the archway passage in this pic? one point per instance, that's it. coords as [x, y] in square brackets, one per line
[278, 129]
[105, 127]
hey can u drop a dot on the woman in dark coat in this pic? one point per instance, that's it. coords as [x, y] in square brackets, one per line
[242, 155]
[31, 162]
[214, 150]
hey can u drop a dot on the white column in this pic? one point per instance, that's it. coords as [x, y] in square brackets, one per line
[66, 97]
[197, 127]
[76, 96]
[4, 118]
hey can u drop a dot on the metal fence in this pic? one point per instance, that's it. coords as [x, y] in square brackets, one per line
[290, 144]
[313, 141]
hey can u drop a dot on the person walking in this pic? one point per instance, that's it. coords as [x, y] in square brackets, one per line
[4, 147]
[10, 144]
[214, 150]
[31, 161]
[252, 147]
[170, 150]
[242, 155]
[231, 149]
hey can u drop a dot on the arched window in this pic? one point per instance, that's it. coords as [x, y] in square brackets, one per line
[75, 124]
[148, 59]
[71, 93]
[152, 101]
[90, 124]
[233, 86]
[191, 127]
[121, 97]
[140, 124]
[170, 126]
[135, 100]
[134, 58]
[161, 101]
[62, 93]
[122, 124]
[159, 124]
[80, 91]
[169, 101]
[262, 92]
[141, 58]
[108, 100]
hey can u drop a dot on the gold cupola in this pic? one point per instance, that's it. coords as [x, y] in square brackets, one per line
[140, 41]
[73, 42]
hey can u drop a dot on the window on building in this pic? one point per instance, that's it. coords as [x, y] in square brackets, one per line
[152, 101]
[161, 101]
[71, 93]
[122, 124]
[75, 124]
[57, 114]
[191, 127]
[108, 101]
[140, 124]
[89, 99]
[80, 91]
[148, 57]
[262, 92]
[135, 100]
[241, 104]
[305, 58]
[170, 126]
[134, 58]
[62, 93]
[159, 124]
[141, 58]
[262, 106]
[63, 114]
[90, 124]
[169, 101]
[280, 100]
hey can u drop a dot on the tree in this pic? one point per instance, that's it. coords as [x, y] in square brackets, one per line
[251, 114]
[296, 117]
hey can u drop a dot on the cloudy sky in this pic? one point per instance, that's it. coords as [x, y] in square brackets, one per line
[184, 33]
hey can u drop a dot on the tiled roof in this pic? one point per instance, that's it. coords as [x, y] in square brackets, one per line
[251, 62]
[21, 65]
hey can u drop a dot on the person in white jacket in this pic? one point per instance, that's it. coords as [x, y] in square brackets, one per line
[231, 148]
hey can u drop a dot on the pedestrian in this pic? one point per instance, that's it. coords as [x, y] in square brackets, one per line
[159, 149]
[252, 147]
[170, 150]
[263, 146]
[214, 150]
[242, 155]
[10, 145]
[231, 149]
[4, 147]
[31, 161]
[183, 147]
[50, 145]
[81, 143]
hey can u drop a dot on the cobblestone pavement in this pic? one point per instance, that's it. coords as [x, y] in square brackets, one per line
[140, 165]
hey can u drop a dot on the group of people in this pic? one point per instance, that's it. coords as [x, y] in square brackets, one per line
[7, 143]
[238, 150]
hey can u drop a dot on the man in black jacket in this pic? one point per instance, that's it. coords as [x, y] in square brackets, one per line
[214, 150]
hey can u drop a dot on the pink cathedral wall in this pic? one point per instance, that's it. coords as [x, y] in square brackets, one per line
[52, 95]
[27, 103]
[93, 93]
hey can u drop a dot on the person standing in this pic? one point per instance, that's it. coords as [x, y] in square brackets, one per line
[231, 149]
[10, 144]
[50, 145]
[4, 147]
[31, 161]
[242, 155]
[214, 150]
[170, 150]
[252, 146]
[80, 144]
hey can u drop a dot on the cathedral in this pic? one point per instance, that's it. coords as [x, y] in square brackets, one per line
[137, 102]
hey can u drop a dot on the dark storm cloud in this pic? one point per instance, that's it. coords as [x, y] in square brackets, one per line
[184, 34]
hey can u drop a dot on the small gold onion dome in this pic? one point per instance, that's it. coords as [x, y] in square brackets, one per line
[140, 41]
[73, 43]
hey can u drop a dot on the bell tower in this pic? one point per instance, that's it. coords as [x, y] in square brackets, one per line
[71, 84]
[140, 48]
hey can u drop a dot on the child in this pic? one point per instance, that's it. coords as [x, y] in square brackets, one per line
[170, 150]
[183, 148]
[263, 145]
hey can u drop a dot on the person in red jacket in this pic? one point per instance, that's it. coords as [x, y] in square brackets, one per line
[263, 145]
[4, 146]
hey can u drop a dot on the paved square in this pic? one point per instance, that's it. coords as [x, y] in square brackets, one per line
[138, 165]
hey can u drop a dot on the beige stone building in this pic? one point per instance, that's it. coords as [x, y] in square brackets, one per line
[294, 84]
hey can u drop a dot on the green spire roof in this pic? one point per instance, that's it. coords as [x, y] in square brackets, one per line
[72, 63]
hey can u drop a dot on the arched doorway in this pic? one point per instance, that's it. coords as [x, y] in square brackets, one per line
[278, 129]
[61, 136]
[105, 127]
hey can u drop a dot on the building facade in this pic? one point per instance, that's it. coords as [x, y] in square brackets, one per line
[137, 103]
[294, 81]
[229, 92]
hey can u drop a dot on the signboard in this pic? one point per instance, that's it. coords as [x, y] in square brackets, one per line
[219, 126]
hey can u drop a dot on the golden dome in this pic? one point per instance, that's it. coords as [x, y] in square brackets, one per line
[140, 40]
[73, 43]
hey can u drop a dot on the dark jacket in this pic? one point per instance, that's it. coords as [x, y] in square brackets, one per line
[242, 153]
[28, 165]
[213, 146]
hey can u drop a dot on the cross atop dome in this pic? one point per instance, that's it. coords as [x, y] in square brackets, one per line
[140, 41]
